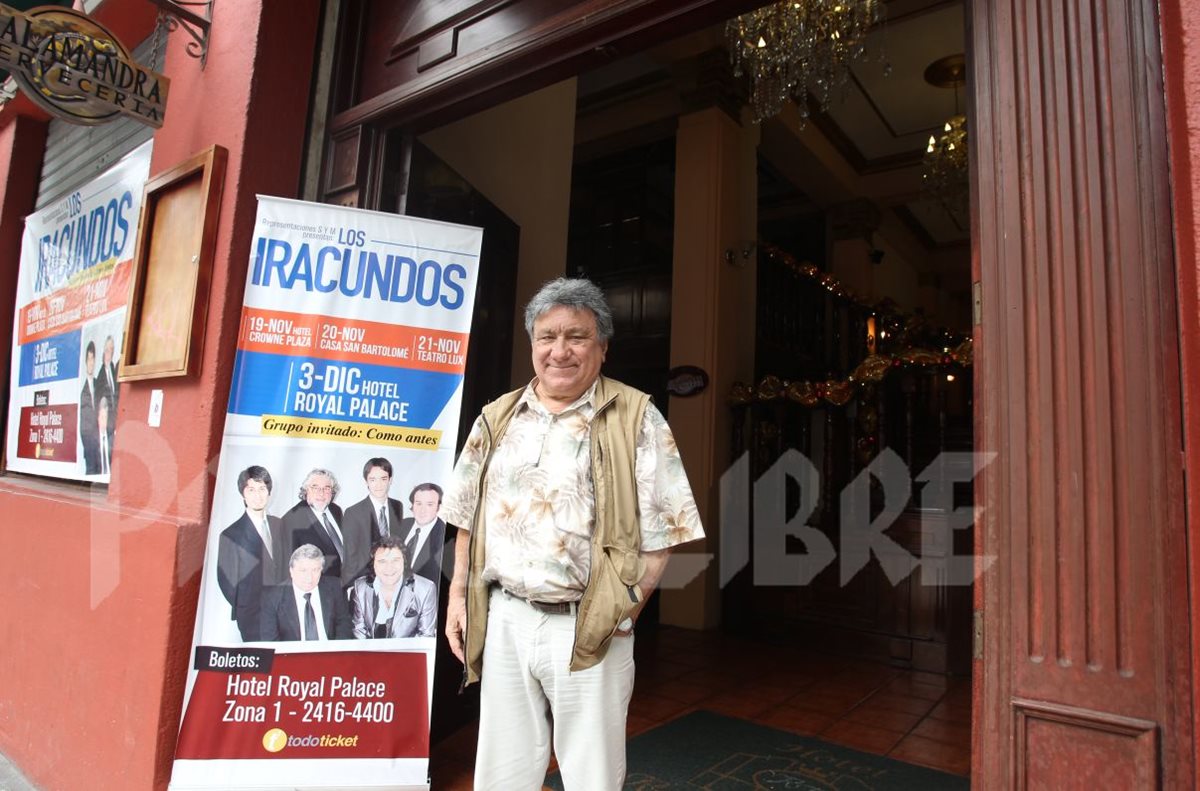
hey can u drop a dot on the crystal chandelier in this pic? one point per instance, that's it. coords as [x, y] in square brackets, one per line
[795, 48]
[945, 174]
[946, 160]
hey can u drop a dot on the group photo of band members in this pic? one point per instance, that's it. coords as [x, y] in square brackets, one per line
[98, 401]
[296, 565]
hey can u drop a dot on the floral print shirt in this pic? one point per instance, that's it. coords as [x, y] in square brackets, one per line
[539, 508]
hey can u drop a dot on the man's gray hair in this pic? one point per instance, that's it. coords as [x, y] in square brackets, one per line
[571, 292]
[307, 552]
[332, 482]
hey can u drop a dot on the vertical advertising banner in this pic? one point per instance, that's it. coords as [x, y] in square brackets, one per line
[312, 662]
[75, 271]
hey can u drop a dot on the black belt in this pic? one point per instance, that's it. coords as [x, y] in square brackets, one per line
[549, 608]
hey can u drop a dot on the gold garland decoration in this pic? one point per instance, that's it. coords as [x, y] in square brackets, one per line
[870, 371]
[812, 272]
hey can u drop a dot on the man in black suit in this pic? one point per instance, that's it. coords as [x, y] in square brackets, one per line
[104, 423]
[370, 519]
[424, 533]
[251, 553]
[107, 378]
[89, 431]
[310, 607]
[316, 520]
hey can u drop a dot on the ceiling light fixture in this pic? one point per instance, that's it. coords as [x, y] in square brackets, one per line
[946, 176]
[795, 48]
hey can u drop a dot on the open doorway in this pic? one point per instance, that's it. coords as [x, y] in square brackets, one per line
[853, 262]
[1074, 313]
[862, 348]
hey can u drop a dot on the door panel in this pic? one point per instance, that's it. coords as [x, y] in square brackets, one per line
[1085, 626]
[622, 209]
[415, 181]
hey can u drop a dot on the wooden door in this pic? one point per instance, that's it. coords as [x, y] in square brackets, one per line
[415, 181]
[622, 209]
[1084, 678]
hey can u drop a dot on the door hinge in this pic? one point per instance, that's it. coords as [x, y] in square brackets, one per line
[977, 636]
[977, 302]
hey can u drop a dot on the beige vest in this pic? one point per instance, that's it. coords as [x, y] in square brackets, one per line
[616, 567]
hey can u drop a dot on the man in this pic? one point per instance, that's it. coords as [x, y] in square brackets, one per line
[310, 607]
[370, 519]
[107, 378]
[250, 553]
[316, 520]
[104, 434]
[423, 533]
[550, 569]
[89, 431]
[392, 601]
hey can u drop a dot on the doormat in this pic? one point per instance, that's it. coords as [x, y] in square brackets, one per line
[707, 750]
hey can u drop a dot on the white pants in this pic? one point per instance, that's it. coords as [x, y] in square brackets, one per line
[528, 696]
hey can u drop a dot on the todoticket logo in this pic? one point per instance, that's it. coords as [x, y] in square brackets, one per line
[276, 739]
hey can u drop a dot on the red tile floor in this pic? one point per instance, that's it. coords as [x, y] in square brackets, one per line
[921, 718]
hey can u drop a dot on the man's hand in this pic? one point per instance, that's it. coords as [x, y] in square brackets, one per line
[456, 624]
[656, 564]
[456, 606]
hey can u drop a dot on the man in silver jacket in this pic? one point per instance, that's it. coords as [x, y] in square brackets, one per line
[392, 601]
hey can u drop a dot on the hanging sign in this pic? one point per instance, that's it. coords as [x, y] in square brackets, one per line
[76, 70]
[314, 643]
[72, 289]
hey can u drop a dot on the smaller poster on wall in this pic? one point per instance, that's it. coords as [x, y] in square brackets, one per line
[72, 289]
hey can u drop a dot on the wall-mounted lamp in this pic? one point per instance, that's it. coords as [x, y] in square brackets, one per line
[870, 335]
[741, 256]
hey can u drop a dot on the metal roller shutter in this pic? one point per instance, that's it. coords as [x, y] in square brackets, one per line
[76, 153]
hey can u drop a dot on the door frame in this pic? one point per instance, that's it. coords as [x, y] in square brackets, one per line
[1078, 390]
[1181, 84]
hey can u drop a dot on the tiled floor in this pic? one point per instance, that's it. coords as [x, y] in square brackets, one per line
[917, 717]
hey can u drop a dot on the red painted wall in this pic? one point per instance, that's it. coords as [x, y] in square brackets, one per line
[103, 583]
[21, 142]
[1181, 61]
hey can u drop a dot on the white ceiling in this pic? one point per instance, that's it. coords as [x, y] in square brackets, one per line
[871, 141]
[887, 109]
